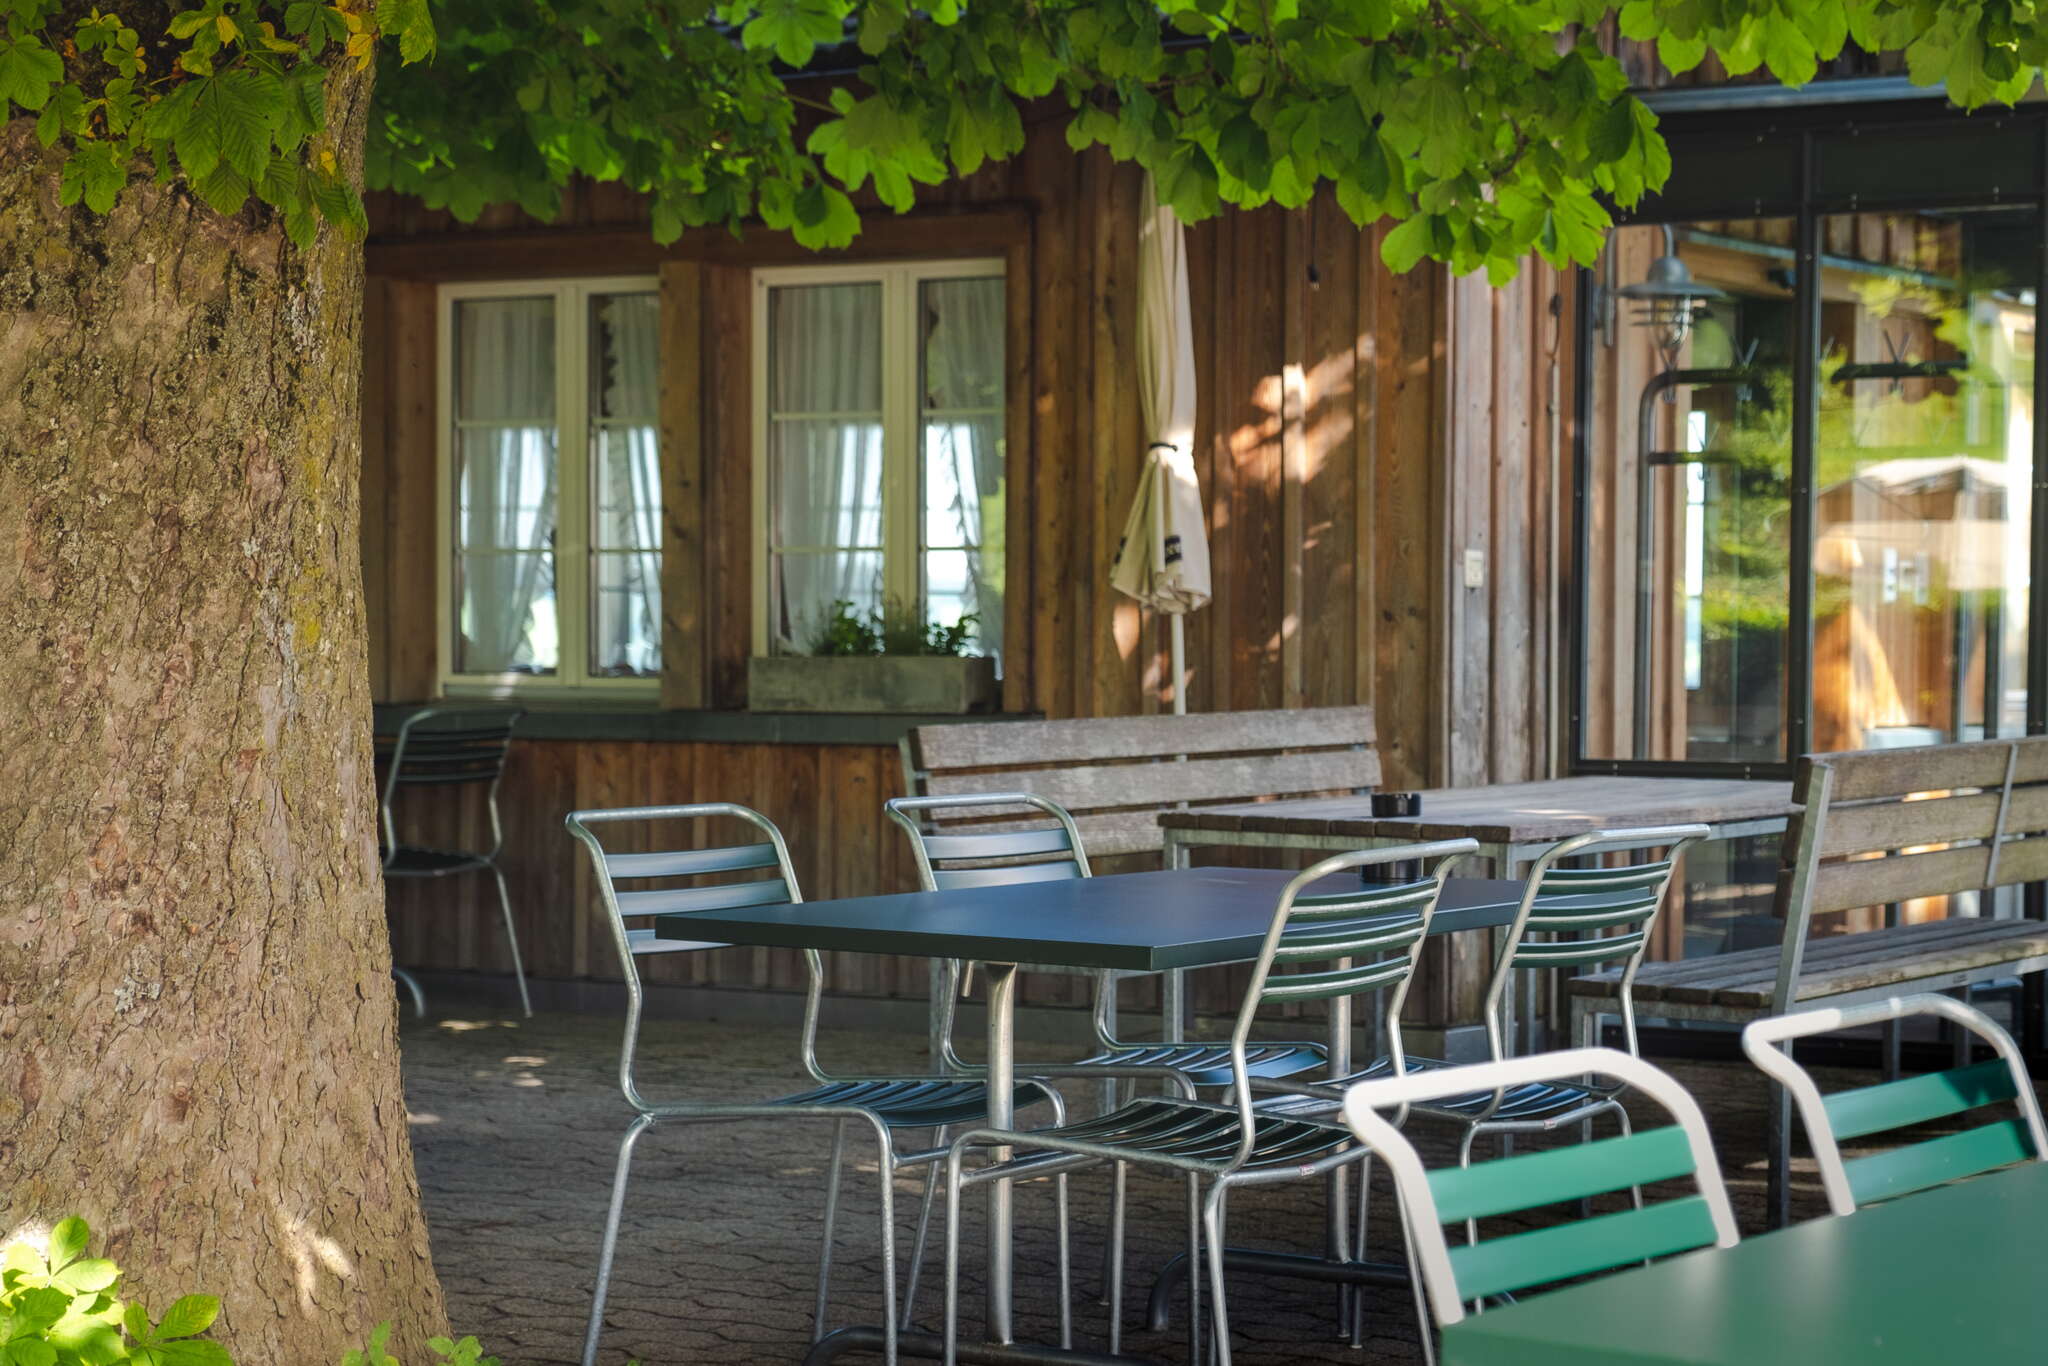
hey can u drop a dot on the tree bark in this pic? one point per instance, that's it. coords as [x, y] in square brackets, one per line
[198, 1046]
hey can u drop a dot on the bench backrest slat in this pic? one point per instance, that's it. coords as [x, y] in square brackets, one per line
[1116, 774]
[1884, 826]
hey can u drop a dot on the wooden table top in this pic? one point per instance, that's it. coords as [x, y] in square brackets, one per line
[1952, 1274]
[1510, 813]
[1144, 922]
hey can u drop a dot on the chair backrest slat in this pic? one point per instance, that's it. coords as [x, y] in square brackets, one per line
[1916, 1100]
[1489, 1266]
[1889, 1106]
[1542, 1256]
[724, 897]
[947, 879]
[1938, 1161]
[1006, 844]
[691, 862]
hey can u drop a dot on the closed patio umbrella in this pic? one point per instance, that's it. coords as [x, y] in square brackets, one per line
[1163, 558]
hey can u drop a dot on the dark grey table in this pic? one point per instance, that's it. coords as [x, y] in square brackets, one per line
[1143, 922]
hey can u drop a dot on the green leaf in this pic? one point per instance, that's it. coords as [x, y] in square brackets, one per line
[192, 1352]
[825, 217]
[68, 1240]
[88, 1275]
[189, 1316]
[27, 72]
[1407, 244]
[340, 205]
[1613, 132]
[31, 1352]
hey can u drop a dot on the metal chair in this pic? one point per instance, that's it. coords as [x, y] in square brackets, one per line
[450, 747]
[1334, 946]
[997, 857]
[1447, 1278]
[1899, 1104]
[884, 1104]
[1608, 914]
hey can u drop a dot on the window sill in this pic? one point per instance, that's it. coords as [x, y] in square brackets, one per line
[596, 720]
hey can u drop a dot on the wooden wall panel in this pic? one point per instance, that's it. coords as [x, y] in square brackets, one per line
[685, 580]
[411, 431]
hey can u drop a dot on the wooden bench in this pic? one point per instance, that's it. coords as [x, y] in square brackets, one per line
[1117, 774]
[1874, 828]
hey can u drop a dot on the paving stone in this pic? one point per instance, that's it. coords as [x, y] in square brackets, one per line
[516, 1125]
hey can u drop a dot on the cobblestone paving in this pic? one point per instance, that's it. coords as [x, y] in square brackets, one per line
[515, 1126]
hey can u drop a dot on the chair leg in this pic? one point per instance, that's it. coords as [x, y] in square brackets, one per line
[1465, 1160]
[1066, 1266]
[831, 1215]
[512, 941]
[608, 1248]
[886, 1167]
[924, 1224]
[1194, 1265]
[412, 984]
[952, 1315]
[1364, 1212]
[1113, 1262]
[1425, 1325]
[1212, 1230]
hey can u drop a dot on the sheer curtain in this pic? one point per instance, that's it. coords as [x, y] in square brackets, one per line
[505, 432]
[626, 636]
[824, 454]
[962, 401]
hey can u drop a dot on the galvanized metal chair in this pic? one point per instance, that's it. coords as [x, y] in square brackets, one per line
[1570, 918]
[1448, 1278]
[1891, 1105]
[1053, 852]
[1333, 946]
[885, 1105]
[444, 747]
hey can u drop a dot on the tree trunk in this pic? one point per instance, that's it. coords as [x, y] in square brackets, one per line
[198, 1044]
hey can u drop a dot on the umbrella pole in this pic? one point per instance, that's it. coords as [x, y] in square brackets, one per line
[1180, 671]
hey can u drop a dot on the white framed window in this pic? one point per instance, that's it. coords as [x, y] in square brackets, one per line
[550, 486]
[878, 447]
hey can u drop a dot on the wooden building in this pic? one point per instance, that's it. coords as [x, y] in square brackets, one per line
[1380, 455]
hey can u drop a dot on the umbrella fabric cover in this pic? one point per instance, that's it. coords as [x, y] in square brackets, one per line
[1163, 559]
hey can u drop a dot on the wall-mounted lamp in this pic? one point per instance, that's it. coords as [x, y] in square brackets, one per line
[1668, 300]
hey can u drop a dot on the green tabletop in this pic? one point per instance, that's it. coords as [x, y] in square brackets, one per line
[1145, 922]
[1948, 1275]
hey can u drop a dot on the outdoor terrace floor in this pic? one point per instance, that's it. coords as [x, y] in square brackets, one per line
[515, 1125]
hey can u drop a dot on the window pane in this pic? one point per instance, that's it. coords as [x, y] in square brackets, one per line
[506, 488]
[825, 349]
[627, 490]
[505, 361]
[625, 634]
[625, 352]
[507, 614]
[961, 441]
[1925, 463]
[961, 328]
[1689, 568]
[804, 587]
[827, 481]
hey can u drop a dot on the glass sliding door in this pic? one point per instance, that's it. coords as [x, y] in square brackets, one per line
[1686, 497]
[1923, 472]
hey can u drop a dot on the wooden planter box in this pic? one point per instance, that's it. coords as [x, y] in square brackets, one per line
[933, 685]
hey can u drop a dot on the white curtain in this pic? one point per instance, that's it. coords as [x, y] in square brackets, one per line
[627, 634]
[505, 410]
[963, 450]
[825, 452]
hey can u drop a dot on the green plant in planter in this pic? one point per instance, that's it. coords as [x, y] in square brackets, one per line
[59, 1307]
[892, 629]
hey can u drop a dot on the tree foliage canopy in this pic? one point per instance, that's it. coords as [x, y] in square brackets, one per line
[1485, 129]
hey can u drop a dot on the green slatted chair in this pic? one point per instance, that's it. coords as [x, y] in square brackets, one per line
[1893, 1105]
[1452, 1277]
[1570, 918]
[1328, 946]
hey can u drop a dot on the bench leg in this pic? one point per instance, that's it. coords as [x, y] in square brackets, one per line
[1778, 1186]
